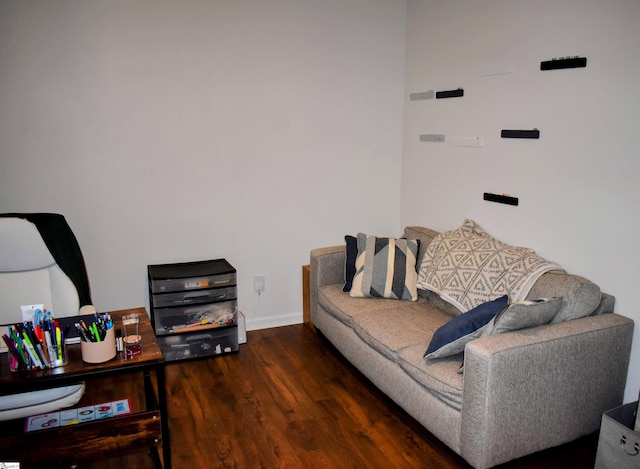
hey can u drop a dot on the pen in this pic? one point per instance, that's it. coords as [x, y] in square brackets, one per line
[28, 338]
[19, 346]
[97, 334]
[50, 348]
[83, 334]
[45, 349]
[59, 341]
[54, 343]
[63, 352]
[31, 350]
[37, 344]
[15, 355]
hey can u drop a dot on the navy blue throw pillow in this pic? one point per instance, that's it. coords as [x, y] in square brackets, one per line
[451, 338]
[350, 265]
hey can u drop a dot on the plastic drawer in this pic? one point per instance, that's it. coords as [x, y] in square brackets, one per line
[195, 297]
[199, 344]
[192, 283]
[184, 319]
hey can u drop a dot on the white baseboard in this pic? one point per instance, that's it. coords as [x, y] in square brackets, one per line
[254, 324]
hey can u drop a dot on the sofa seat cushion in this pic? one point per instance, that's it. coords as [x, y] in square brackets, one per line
[390, 330]
[439, 377]
[343, 307]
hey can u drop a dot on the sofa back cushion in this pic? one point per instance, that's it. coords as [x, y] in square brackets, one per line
[580, 297]
[425, 235]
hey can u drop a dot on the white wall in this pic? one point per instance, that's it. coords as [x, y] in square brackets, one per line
[578, 184]
[256, 130]
[171, 131]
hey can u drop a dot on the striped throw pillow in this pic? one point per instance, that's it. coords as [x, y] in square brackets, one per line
[386, 268]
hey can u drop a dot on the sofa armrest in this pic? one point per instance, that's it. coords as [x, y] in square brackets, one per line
[326, 268]
[541, 387]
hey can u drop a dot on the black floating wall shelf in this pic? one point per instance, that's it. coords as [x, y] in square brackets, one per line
[535, 133]
[450, 94]
[568, 62]
[501, 199]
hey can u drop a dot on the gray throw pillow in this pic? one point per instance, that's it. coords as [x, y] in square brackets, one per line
[523, 315]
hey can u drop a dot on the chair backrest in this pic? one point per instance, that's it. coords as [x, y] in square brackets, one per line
[29, 274]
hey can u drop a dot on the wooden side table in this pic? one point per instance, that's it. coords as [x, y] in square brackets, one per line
[98, 439]
[306, 297]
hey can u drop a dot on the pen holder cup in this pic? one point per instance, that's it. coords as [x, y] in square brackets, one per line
[53, 362]
[99, 352]
[41, 350]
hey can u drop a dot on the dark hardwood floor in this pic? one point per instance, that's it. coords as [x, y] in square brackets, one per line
[288, 399]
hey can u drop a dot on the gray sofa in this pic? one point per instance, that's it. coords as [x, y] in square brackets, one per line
[520, 392]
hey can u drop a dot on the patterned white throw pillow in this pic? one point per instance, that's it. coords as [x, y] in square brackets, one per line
[467, 267]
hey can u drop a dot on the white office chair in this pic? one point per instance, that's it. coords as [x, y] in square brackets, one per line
[45, 269]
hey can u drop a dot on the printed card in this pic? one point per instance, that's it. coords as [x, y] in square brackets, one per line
[78, 415]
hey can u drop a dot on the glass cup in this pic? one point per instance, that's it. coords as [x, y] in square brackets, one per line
[131, 339]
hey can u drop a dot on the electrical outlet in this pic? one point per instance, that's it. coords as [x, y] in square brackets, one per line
[258, 283]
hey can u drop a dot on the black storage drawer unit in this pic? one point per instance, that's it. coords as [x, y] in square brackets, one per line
[194, 308]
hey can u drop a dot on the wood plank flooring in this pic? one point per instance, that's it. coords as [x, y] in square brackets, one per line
[288, 399]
